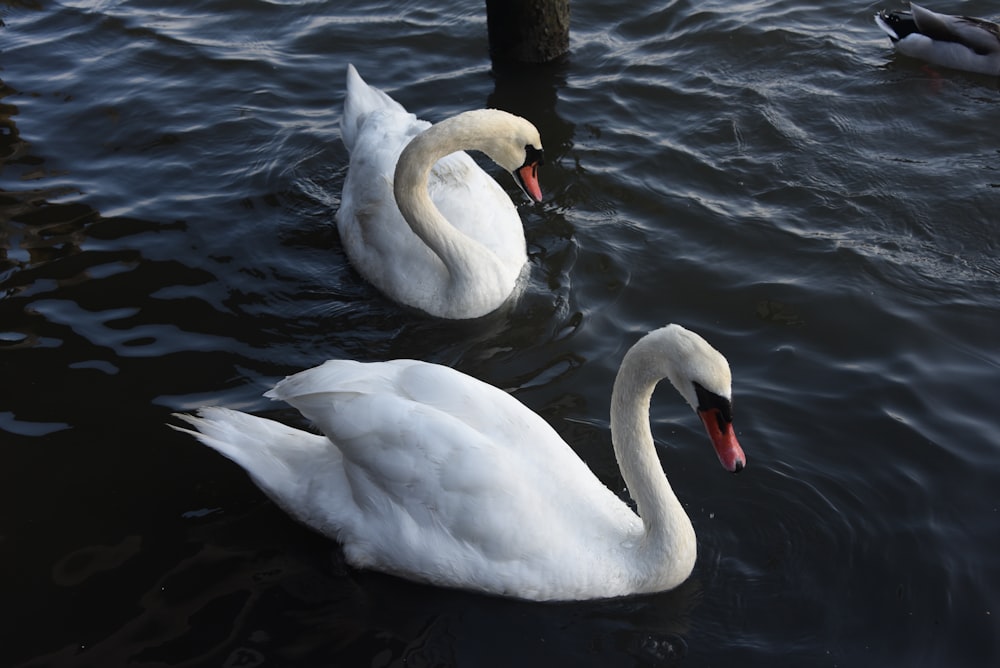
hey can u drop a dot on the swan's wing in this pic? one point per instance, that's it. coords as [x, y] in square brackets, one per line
[360, 101]
[468, 197]
[449, 472]
[368, 185]
[475, 203]
[370, 225]
[430, 391]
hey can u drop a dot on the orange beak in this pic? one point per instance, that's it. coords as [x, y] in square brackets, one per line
[724, 440]
[527, 178]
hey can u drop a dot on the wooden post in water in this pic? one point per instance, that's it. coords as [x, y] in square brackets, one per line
[527, 31]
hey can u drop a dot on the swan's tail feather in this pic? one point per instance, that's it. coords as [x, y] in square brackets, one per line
[361, 100]
[272, 453]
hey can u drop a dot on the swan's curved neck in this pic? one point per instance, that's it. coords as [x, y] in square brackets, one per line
[666, 524]
[465, 259]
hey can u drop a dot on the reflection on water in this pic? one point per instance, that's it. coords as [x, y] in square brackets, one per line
[290, 599]
[817, 207]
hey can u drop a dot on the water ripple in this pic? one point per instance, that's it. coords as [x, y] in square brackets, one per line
[769, 174]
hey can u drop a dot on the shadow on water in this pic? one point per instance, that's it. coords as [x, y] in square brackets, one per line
[290, 600]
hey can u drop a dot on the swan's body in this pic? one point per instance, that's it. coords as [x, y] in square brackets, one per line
[959, 42]
[426, 225]
[434, 476]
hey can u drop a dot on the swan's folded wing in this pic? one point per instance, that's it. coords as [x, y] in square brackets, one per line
[455, 481]
[360, 101]
[426, 483]
[477, 205]
[413, 422]
[370, 225]
[429, 393]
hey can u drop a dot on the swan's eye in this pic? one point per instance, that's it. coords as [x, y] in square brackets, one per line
[708, 401]
[533, 156]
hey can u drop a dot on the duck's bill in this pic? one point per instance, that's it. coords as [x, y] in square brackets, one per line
[723, 440]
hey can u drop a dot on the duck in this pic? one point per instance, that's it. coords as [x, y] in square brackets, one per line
[418, 218]
[426, 473]
[958, 42]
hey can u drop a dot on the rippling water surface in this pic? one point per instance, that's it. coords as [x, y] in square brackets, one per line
[767, 173]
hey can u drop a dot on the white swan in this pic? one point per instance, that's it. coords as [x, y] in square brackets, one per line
[434, 476]
[959, 42]
[418, 218]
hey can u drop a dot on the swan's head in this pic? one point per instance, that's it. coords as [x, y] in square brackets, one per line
[511, 142]
[701, 374]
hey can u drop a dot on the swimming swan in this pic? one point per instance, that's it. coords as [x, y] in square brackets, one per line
[434, 476]
[418, 218]
[959, 42]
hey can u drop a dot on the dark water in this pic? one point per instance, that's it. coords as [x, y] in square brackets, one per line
[766, 173]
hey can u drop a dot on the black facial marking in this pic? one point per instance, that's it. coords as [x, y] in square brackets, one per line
[710, 400]
[533, 155]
